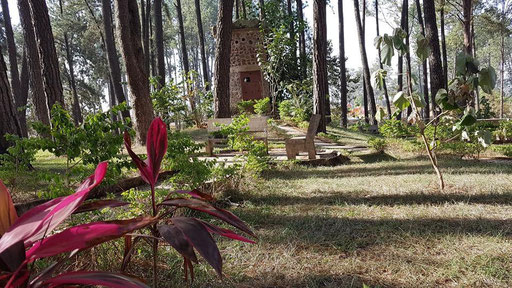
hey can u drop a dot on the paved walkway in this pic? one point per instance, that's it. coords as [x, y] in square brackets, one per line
[323, 148]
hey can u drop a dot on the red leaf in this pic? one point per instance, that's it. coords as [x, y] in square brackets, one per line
[214, 211]
[225, 232]
[12, 257]
[85, 236]
[95, 278]
[156, 145]
[196, 194]
[7, 211]
[198, 236]
[42, 219]
[99, 204]
[178, 241]
[144, 171]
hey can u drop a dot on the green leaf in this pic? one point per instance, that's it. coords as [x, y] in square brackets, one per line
[400, 101]
[377, 41]
[484, 138]
[418, 100]
[422, 48]
[380, 115]
[386, 49]
[468, 119]
[442, 99]
[487, 79]
[379, 77]
[460, 63]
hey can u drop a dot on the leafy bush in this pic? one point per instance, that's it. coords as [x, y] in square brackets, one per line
[20, 154]
[377, 144]
[181, 157]
[245, 107]
[504, 149]
[485, 111]
[262, 106]
[504, 131]
[393, 128]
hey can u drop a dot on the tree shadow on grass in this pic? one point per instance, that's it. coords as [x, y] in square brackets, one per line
[349, 234]
[311, 280]
[394, 168]
[329, 198]
[376, 157]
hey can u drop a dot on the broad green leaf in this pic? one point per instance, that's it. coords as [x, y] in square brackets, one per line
[487, 79]
[418, 100]
[379, 77]
[468, 119]
[400, 101]
[377, 41]
[386, 50]
[380, 115]
[422, 48]
[460, 64]
[442, 99]
[484, 138]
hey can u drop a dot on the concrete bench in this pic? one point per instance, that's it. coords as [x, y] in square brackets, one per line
[257, 125]
[306, 143]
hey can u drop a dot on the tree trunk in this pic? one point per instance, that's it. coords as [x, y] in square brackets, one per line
[77, 113]
[184, 53]
[222, 59]
[130, 38]
[22, 114]
[436, 68]
[320, 83]
[8, 119]
[467, 8]
[426, 110]
[365, 92]
[36, 78]
[204, 60]
[47, 53]
[364, 60]
[502, 72]
[262, 9]
[400, 76]
[408, 53]
[445, 53]
[477, 89]
[113, 60]
[343, 70]
[145, 34]
[13, 59]
[159, 43]
[302, 40]
[291, 27]
[386, 95]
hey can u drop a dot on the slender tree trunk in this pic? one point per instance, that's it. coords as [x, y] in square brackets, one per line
[77, 113]
[400, 75]
[130, 38]
[237, 9]
[145, 34]
[386, 95]
[436, 68]
[477, 89]
[36, 78]
[365, 91]
[184, 54]
[443, 47]
[302, 40]
[502, 72]
[244, 9]
[320, 83]
[364, 60]
[222, 59]
[113, 60]
[13, 59]
[25, 75]
[467, 8]
[424, 74]
[291, 27]
[47, 53]
[159, 41]
[262, 9]
[343, 70]
[8, 119]
[204, 60]
[408, 54]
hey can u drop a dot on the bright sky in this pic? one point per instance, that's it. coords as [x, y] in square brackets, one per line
[351, 37]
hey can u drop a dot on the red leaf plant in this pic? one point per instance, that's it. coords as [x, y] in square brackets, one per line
[29, 237]
[183, 233]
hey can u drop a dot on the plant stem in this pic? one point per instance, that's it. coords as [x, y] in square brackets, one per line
[154, 231]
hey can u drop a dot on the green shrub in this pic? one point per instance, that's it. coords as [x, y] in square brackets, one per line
[262, 106]
[397, 129]
[377, 144]
[504, 149]
[245, 106]
[20, 154]
[504, 131]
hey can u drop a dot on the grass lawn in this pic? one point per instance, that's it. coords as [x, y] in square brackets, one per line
[378, 221]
